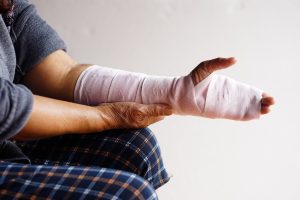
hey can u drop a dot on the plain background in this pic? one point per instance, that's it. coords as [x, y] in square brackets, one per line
[209, 159]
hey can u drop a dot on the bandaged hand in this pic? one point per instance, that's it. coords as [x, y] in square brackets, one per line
[131, 115]
[206, 68]
[200, 93]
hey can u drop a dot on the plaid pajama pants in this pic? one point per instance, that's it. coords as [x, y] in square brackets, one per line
[118, 164]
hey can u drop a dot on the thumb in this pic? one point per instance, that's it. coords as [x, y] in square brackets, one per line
[204, 69]
[216, 64]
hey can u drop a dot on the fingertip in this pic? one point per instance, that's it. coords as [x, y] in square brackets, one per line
[161, 110]
[233, 60]
[167, 110]
[168, 113]
[227, 62]
[267, 100]
[272, 101]
[265, 110]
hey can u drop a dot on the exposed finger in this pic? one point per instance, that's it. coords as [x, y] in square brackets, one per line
[267, 101]
[265, 110]
[205, 68]
[158, 110]
[218, 63]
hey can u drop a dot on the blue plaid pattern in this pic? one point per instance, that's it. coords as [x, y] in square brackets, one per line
[69, 182]
[117, 164]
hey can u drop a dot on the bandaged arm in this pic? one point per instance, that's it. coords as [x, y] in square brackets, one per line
[216, 96]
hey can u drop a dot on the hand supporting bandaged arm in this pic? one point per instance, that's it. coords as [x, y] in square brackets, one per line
[215, 97]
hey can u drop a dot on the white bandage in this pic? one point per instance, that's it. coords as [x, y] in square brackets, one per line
[215, 97]
[230, 99]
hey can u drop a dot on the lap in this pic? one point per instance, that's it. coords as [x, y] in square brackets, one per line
[100, 149]
[23, 181]
[135, 151]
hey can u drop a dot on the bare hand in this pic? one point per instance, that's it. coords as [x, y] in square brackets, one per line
[132, 115]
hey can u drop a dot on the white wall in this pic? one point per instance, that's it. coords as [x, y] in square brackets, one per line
[210, 159]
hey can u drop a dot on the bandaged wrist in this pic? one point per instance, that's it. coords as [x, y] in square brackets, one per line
[215, 97]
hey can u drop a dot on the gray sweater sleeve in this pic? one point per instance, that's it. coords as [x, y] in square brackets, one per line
[33, 38]
[16, 104]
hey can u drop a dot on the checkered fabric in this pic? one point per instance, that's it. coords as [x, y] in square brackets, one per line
[117, 164]
[69, 182]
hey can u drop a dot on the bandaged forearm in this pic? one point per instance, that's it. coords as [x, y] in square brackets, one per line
[215, 97]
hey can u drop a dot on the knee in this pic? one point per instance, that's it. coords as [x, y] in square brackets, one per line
[148, 156]
[147, 145]
[146, 149]
[138, 152]
[117, 184]
[141, 189]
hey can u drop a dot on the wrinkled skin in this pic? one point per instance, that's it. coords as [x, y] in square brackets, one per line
[132, 115]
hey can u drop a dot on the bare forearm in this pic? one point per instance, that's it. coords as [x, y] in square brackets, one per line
[55, 77]
[67, 92]
[52, 117]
